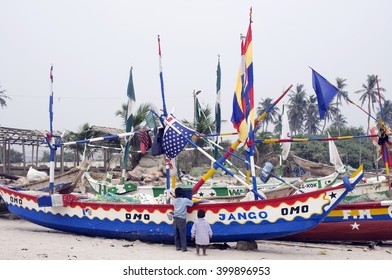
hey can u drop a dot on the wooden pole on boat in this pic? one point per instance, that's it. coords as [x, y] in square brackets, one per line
[212, 159]
[384, 147]
[49, 137]
[164, 107]
[235, 145]
[283, 140]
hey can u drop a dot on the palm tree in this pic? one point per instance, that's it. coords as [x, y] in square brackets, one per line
[339, 121]
[270, 117]
[386, 112]
[277, 124]
[139, 122]
[296, 108]
[312, 119]
[369, 92]
[329, 115]
[205, 124]
[138, 118]
[340, 84]
[85, 131]
[3, 103]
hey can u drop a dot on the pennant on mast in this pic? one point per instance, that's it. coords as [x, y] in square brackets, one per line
[218, 107]
[325, 92]
[131, 103]
[161, 77]
[218, 99]
[129, 117]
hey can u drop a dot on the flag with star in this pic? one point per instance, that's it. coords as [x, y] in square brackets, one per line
[174, 137]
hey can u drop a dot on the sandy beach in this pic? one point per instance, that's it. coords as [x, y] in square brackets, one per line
[22, 241]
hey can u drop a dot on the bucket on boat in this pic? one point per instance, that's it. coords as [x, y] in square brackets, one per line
[266, 172]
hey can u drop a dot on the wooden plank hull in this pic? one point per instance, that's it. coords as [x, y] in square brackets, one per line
[230, 221]
[368, 221]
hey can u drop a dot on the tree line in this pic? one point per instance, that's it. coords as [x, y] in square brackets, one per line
[304, 122]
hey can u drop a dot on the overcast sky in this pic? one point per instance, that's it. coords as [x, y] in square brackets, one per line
[93, 44]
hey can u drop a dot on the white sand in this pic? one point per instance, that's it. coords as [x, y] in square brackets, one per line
[22, 240]
[24, 245]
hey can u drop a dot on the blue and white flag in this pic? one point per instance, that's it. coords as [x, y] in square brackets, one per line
[174, 137]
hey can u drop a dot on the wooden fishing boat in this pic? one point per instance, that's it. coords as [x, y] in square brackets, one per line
[65, 182]
[361, 221]
[315, 168]
[108, 186]
[230, 221]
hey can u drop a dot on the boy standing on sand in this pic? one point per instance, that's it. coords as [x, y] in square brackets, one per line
[201, 232]
[180, 204]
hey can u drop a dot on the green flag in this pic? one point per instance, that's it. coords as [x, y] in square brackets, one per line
[217, 108]
[131, 104]
[129, 117]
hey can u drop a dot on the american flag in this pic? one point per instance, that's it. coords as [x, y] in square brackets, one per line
[173, 141]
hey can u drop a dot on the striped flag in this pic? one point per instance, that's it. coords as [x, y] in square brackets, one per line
[56, 200]
[243, 102]
[161, 76]
[145, 140]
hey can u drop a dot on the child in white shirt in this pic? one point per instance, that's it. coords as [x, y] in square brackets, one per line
[201, 232]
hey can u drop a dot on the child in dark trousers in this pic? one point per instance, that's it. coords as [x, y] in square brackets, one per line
[201, 232]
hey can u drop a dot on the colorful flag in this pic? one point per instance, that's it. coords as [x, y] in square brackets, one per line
[243, 102]
[56, 200]
[325, 92]
[174, 137]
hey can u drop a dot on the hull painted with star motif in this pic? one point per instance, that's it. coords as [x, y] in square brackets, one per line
[355, 222]
[230, 221]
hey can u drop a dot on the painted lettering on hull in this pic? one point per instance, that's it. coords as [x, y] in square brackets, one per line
[243, 216]
[137, 216]
[361, 214]
[16, 200]
[294, 210]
